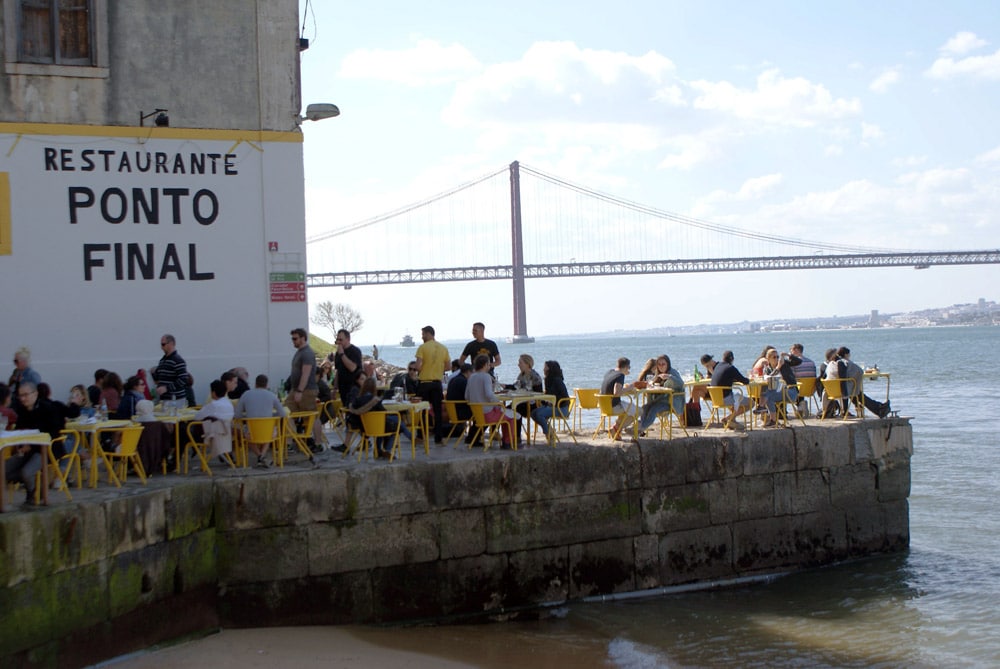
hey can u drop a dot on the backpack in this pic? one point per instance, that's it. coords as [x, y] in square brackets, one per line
[692, 414]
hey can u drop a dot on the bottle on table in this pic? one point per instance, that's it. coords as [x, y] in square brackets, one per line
[103, 411]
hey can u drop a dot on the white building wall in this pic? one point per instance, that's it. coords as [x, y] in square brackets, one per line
[227, 71]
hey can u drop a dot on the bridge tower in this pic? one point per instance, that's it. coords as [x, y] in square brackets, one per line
[517, 259]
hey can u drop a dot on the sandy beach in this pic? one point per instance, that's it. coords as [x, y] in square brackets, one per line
[547, 644]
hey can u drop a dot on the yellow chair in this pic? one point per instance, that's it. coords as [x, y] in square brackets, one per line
[71, 460]
[299, 437]
[586, 400]
[835, 391]
[669, 416]
[807, 390]
[333, 409]
[722, 412]
[755, 392]
[479, 410]
[201, 447]
[609, 418]
[125, 453]
[374, 425]
[264, 431]
[783, 408]
[451, 412]
[565, 408]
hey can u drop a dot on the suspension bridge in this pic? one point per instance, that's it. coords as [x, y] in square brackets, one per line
[572, 231]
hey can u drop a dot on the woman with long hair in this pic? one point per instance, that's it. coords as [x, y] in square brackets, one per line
[554, 385]
[670, 379]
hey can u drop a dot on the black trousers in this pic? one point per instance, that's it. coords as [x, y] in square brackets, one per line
[432, 392]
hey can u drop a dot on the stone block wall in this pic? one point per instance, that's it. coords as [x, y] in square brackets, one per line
[491, 535]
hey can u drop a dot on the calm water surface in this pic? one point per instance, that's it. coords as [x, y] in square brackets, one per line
[932, 606]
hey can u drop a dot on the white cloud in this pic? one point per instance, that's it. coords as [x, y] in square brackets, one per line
[909, 161]
[991, 156]
[833, 150]
[428, 62]
[688, 151]
[978, 67]
[776, 99]
[962, 43]
[870, 134]
[883, 81]
[560, 81]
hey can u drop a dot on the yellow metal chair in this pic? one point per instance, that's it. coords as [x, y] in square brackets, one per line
[125, 453]
[201, 448]
[374, 427]
[566, 405]
[299, 430]
[669, 416]
[807, 390]
[836, 392]
[451, 412]
[264, 431]
[722, 412]
[479, 410]
[609, 418]
[586, 400]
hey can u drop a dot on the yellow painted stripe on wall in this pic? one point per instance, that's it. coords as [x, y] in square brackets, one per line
[5, 241]
[148, 132]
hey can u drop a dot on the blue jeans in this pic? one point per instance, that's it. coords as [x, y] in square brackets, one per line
[658, 406]
[544, 413]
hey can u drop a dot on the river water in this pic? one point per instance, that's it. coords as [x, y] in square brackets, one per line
[935, 605]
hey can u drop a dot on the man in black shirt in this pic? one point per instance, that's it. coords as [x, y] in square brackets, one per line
[33, 413]
[480, 345]
[346, 363]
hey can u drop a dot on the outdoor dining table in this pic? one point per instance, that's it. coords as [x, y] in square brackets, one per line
[15, 438]
[516, 398]
[87, 429]
[417, 412]
[876, 375]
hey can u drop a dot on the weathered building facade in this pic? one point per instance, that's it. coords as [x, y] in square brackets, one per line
[151, 182]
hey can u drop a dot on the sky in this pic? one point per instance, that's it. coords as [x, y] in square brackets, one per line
[869, 123]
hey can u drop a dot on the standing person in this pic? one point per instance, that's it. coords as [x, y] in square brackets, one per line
[725, 374]
[170, 374]
[347, 363]
[259, 403]
[433, 363]
[480, 345]
[302, 380]
[614, 384]
[23, 373]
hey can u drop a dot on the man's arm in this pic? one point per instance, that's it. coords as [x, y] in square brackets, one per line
[303, 378]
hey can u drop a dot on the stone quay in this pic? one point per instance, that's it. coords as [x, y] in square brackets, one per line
[454, 535]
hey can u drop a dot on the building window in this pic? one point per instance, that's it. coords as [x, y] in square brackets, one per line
[56, 31]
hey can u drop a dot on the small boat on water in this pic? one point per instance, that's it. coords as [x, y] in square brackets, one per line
[407, 341]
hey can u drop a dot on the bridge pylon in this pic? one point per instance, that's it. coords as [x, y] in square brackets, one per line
[520, 335]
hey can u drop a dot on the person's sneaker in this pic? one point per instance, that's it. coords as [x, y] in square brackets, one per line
[339, 448]
[262, 464]
[29, 504]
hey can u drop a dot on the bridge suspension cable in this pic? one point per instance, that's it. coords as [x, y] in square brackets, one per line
[698, 223]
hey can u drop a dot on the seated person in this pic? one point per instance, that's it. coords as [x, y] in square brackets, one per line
[33, 413]
[259, 403]
[848, 369]
[665, 377]
[479, 388]
[5, 410]
[725, 374]
[623, 407]
[780, 369]
[220, 410]
[241, 382]
[134, 393]
[554, 385]
[456, 393]
[368, 400]
[407, 380]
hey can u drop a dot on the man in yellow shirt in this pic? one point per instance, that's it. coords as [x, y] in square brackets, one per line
[433, 362]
